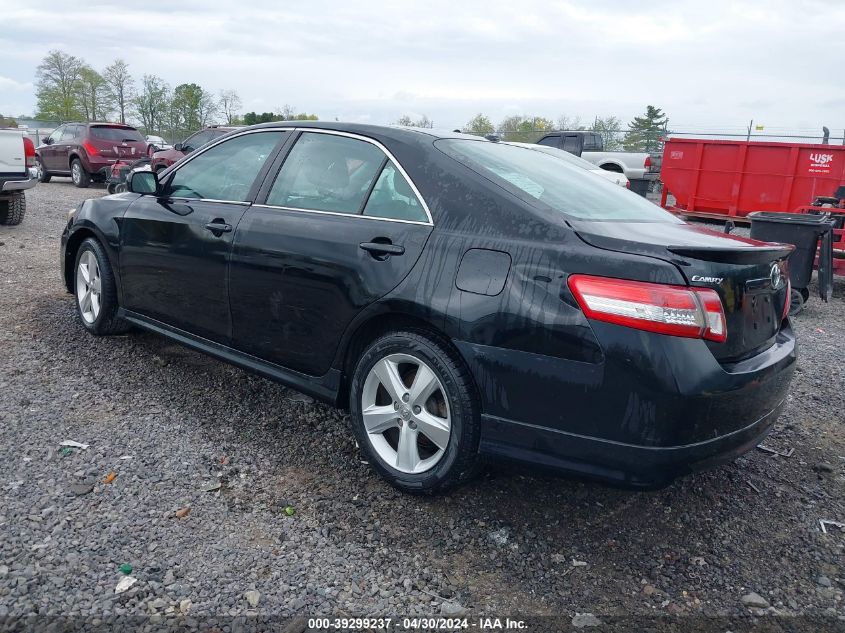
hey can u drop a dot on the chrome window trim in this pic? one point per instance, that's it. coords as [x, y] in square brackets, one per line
[239, 202]
[343, 215]
[359, 137]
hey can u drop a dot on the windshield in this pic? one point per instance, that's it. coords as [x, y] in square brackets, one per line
[539, 178]
[118, 134]
[572, 159]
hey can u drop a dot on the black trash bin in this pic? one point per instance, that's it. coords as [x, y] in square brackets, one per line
[803, 231]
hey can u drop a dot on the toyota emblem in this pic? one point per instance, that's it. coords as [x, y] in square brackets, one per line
[775, 276]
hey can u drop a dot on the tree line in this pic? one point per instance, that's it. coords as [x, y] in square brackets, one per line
[643, 134]
[70, 89]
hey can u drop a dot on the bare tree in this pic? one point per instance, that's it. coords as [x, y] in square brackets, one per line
[121, 85]
[152, 103]
[230, 105]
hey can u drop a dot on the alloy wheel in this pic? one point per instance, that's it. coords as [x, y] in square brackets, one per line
[76, 173]
[89, 287]
[406, 414]
[39, 169]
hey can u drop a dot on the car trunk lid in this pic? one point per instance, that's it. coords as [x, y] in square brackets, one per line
[749, 276]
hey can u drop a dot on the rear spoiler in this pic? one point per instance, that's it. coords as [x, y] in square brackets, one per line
[766, 252]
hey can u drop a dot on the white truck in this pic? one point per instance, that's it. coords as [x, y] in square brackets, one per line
[18, 173]
[640, 168]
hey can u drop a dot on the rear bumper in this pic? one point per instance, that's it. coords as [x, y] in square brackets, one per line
[11, 186]
[615, 462]
[654, 408]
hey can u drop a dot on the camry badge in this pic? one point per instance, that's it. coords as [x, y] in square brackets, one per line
[708, 280]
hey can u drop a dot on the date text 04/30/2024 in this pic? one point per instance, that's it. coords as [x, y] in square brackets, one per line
[417, 624]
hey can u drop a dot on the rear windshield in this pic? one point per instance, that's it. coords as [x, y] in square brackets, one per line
[547, 181]
[117, 134]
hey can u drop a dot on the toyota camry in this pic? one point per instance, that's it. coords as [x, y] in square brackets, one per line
[463, 298]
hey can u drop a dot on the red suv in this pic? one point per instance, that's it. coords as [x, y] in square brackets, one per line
[86, 151]
[165, 158]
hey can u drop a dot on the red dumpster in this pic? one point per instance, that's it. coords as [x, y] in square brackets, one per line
[734, 178]
[730, 179]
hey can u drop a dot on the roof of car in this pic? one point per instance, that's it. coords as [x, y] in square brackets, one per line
[390, 131]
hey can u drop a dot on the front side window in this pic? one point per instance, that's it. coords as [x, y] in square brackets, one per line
[226, 171]
[547, 182]
[199, 139]
[326, 172]
[550, 141]
[393, 198]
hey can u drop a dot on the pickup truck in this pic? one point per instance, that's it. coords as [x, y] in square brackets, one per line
[17, 174]
[641, 168]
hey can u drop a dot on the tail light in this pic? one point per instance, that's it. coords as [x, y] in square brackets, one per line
[647, 163]
[89, 147]
[661, 308]
[29, 151]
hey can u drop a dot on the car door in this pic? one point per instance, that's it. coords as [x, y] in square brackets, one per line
[338, 227]
[70, 138]
[48, 151]
[175, 247]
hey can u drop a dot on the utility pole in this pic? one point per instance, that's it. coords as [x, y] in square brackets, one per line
[748, 138]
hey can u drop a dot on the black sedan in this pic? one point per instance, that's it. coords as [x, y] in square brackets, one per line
[463, 298]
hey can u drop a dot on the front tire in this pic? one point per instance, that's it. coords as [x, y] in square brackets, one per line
[95, 290]
[415, 412]
[43, 174]
[12, 209]
[80, 177]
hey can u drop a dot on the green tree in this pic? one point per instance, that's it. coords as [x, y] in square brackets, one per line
[524, 129]
[645, 132]
[120, 85]
[151, 104]
[94, 95]
[6, 121]
[57, 86]
[406, 121]
[480, 125]
[251, 118]
[289, 113]
[609, 128]
[191, 109]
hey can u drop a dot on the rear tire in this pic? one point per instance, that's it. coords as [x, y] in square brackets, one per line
[12, 209]
[80, 177]
[43, 174]
[444, 422]
[796, 302]
[95, 290]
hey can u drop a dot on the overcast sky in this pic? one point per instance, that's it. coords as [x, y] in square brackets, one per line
[707, 63]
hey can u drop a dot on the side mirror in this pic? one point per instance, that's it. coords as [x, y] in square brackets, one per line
[144, 182]
[48, 141]
[178, 147]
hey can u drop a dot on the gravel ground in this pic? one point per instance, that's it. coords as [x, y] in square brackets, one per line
[186, 434]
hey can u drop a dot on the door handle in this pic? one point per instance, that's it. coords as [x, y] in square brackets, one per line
[218, 227]
[381, 248]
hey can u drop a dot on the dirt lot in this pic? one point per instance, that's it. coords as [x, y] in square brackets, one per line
[172, 425]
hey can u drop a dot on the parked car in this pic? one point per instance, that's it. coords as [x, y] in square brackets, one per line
[163, 159]
[86, 151]
[156, 144]
[462, 297]
[640, 168]
[613, 176]
[17, 174]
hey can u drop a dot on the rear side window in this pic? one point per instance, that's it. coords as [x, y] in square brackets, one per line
[226, 171]
[392, 198]
[116, 134]
[547, 182]
[326, 172]
[551, 141]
